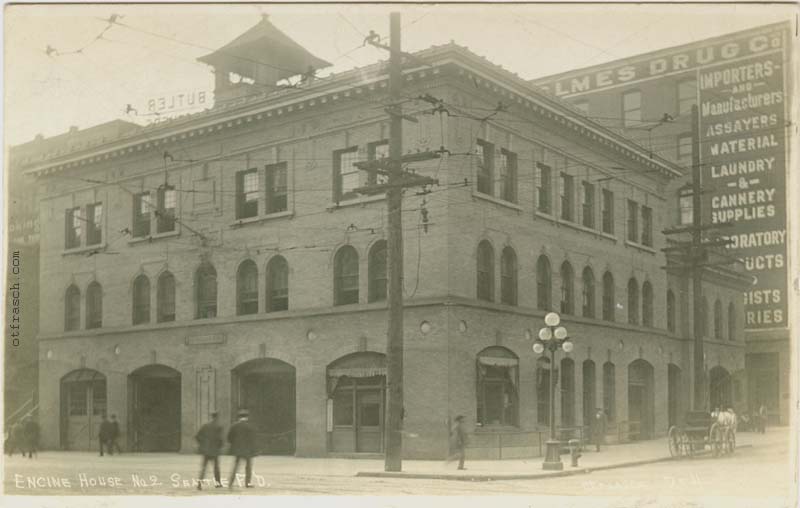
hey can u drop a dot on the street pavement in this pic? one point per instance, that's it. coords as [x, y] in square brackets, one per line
[759, 468]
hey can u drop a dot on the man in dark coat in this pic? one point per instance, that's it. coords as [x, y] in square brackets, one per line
[458, 441]
[209, 441]
[113, 444]
[242, 439]
[15, 439]
[106, 431]
[30, 431]
[598, 428]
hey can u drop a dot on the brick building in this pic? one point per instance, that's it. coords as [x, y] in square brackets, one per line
[740, 85]
[222, 260]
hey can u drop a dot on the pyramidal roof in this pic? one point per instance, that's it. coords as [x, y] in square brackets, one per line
[266, 45]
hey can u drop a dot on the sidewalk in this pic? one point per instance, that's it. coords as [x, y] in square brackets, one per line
[610, 457]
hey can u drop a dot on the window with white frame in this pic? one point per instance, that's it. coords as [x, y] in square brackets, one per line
[346, 176]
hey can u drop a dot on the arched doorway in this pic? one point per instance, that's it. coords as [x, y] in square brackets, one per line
[673, 394]
[356, 403]
[266, 387]
[567, 392]
[719, 381]
[589, 400]
[83, 403]
[641, 400]
[154, 401]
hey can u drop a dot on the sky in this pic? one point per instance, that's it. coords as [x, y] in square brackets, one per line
[152, 51]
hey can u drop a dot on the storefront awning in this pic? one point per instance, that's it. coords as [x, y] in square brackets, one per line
[357, 371]
[495, 361]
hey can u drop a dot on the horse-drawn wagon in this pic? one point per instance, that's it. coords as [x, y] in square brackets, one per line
[716, 430]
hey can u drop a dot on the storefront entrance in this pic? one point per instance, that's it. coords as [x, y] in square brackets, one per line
[356, 391]
[83, 403]
[266, 388]
[720, 389]
[154, 415]
[641, 400]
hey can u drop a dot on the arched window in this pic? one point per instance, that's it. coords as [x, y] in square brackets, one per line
[277, 284]
[588, 292]
[345, 276]
[544, 284]
[731, 321]
[670, 311]
[377, 272]
[543, 391]
[647, 304]
[508, 277]
[72, 309]
[633, 301]
[485, 271]
[567, 392]
[205, 283]
[247, 288]
[609, 391]
[567, 289]
[718, 319]
[94, 306]
[498, 379]
[704, 316]
[608, 297]
[165, 298]
[141, 300]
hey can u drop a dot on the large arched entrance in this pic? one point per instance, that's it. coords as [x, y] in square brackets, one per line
[719, 381]
[83, 403]
[641, 399]
[589, 400]
[356, 398]
[154, 415]
[673, 394]
[266, 388]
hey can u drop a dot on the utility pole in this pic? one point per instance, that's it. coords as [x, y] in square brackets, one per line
[397, 180]
[698, 399]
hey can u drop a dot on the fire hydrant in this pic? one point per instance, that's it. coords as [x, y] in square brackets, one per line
[574, 451]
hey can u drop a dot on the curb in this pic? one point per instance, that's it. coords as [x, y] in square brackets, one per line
[488, 477]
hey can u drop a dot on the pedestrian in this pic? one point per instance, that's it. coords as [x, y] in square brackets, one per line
[458, 441]
[242, 440]
[14, 439]
[115, 435]
[598, 428]
[762, 418]
[106, 431]
[209, 441]
[31, 437]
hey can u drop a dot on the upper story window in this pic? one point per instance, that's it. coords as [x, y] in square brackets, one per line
[631, 108]
[377, 269]
[685, 150]
[141, 214]
[167, 209]
[73, 228]
[567, 288]
[587, 205]
[246, 193]
[277, 189]
[72, 309]
[94, 223]
[567, 197]
[718, 320]
[94, 306]
[608, 211]
[647, 304]
[277, 284]
[141, 300]
[686, 206]
[508, 277]
[376, 151]
[704, 316]
[485, 159]
[731, 321]
[545, 188]
[165, 298]
[687, 96]
[485, 271]
[345, 276]
[544, 284]
[633, 301]
[346, 176]
[205, 283]
[647, 226]
[633, 221]
[247, 288]
[588, 293]
[609, 301]
[507, 175]
[670, 311]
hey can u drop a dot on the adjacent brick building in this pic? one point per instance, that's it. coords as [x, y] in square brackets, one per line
[222, 260]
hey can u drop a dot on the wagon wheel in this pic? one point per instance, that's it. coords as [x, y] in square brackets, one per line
[674, 442]
[730, 442]
[715, 439]
[686, 445]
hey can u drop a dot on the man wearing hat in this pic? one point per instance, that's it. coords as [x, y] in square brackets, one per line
[458, 440]
[209, 441]
[242, 439]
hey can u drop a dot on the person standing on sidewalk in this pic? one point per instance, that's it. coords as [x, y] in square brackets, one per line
[458, 441]
[31, 435]
[598, 428]
[762, 419]
[242, 439]
[104, 436]
[209, 440]
[113, 444]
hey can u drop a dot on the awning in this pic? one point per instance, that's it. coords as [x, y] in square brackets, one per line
[357, 371]
[495, 361]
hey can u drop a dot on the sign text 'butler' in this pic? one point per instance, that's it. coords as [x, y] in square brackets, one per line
[743, 155]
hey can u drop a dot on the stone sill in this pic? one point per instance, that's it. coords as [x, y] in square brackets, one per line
[84, 249]
[640, 246]
[150, 238]
[261, 218]
[362, 200]
[497, 201]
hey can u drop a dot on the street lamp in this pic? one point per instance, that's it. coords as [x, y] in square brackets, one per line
[551, 338]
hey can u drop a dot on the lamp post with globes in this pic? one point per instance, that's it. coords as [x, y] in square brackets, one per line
[551, 338]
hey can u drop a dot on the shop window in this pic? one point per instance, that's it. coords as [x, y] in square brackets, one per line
[165, 298]
[141, 300]
[498, 378]
[346, 276]
[72, 309]
[485, 271]
[205, 282]
[508, 277]
[378, 275]
[247, 288]
[277, 284]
